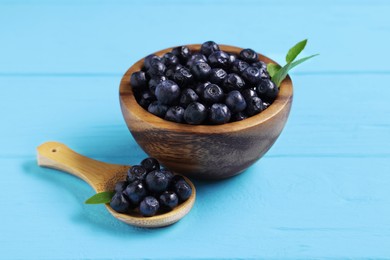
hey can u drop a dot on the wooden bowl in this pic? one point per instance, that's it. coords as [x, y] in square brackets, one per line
[205, 151]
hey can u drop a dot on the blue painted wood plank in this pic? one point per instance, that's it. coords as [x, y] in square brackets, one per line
[67, 37]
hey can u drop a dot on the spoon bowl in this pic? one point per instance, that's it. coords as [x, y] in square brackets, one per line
[102, 177]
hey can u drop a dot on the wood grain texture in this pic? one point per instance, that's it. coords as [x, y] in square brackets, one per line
[102, 177]
[204, 151]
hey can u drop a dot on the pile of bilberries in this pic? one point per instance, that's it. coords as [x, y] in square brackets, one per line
[206, 87]
[149, 190]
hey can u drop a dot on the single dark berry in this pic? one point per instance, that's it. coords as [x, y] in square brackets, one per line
[136, 191]
[248, 94]
[249, 55]
[201, 70]
[219, 59]
[267, 90]
[188, 96]
[153, 82]
[219, 114]
[175, 114]
[199, 88]
[157, 68]
[195, 113]
[254, 106]
[167, 92]
[232, 58]
[171, 71]
[209, 47]
[239, 66]
[144, 103]
[148, 95]
[150, 59]
[158, 109]
[136, 172]
[252, 75]
[170, 59]
[150, 164]
[197, 57]
[156, 181]
[212, 94]
[176, 179]
[259, 64]
[235, 101]
[183, 77]
[266, 105]
[149, 206]
[182, 52]
[183, 190]
[120, 186]
[120, 203]
[238, 116]
[138, 80]
[169, 200]
[233, 82]
[217, 76]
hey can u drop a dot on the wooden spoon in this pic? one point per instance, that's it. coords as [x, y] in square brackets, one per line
[102, 177]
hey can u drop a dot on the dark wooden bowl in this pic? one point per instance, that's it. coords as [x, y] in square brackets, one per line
[205, 151]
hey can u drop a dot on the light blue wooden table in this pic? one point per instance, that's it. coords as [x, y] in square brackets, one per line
[322, 191]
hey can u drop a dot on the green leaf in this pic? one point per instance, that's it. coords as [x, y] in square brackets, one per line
[295, 50]
[100, 198]
[273, 68]
[282, 73]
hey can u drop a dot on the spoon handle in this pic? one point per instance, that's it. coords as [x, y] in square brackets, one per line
[59, 156]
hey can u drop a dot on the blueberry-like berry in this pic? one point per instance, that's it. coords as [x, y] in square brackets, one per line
[249, 55]
[201, 70]
[136, 172]
[175, 114]
[167, 92]
[252, 75]
[120, 186]
[168, 200]
[176, 179]
[156, 68]
[170, 59]
[156, 181]
[195, 113]
[239, 66]
[197, 57]
[138, 80]
[239, 116]
[217, 76]
[209, 47]
[158, 109]
[267, 90]
[254, 106]
[235, 101]
[153, 82]
[171, 71]
[135, 191]
[120, 203]
[183, 77]
[212, 94]
[150, 164]
[219, 114]
[182, 52]
[150, 59]
[148, 96]
[149, 206]
[219, 59]
[266, 104]
[199, 88]
[183, 190]
[188, 96]
[248, 94]
[259, 64]
[233, 82]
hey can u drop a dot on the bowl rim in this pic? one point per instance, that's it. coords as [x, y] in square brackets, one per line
[130, 106]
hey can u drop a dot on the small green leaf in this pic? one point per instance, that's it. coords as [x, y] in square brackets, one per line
[100, 198]
[295, 50]
[273, 68]
[282, 73]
